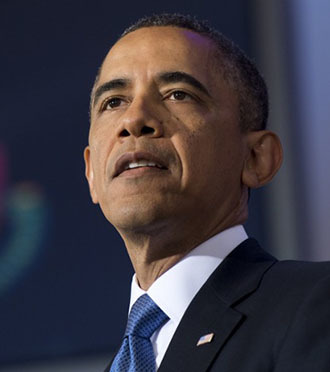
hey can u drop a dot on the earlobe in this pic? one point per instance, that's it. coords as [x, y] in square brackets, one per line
[263, 160]
[89, 173]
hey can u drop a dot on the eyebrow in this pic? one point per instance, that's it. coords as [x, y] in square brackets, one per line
[163, 77]
[108, 86]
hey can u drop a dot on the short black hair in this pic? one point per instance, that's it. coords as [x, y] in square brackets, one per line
[236, 67]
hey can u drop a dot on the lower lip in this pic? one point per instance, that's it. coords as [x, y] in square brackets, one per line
[141, 171]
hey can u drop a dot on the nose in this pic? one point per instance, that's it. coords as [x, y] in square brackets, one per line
[142, 118]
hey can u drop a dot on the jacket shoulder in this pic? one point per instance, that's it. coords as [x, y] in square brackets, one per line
[298, 273]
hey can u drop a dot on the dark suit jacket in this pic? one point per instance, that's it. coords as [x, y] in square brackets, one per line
[266, 315]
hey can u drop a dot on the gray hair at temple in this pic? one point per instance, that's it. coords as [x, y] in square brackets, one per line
[237, 69]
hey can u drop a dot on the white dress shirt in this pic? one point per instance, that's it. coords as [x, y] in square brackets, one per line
[174, 290]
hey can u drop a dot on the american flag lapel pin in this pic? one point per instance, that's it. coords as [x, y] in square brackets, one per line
[205, 339]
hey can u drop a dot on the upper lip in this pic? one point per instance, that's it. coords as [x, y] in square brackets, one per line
[130, 157]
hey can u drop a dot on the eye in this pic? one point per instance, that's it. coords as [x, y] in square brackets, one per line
[111, 103]
[179, 95]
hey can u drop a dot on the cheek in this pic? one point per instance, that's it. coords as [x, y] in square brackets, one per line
[209, 155]
[102, 137]
[195, 153]
[101, 145]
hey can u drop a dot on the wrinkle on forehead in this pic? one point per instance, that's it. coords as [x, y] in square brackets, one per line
[178, 48]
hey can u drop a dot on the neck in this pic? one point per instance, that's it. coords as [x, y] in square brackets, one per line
[155, 248]
[154, 253]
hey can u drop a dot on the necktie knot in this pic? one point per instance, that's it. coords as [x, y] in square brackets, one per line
[145, 318]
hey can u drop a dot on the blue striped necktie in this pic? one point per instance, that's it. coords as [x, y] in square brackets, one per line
[136, 353]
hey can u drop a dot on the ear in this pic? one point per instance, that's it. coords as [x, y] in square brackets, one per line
[263, 160]
[89, 173]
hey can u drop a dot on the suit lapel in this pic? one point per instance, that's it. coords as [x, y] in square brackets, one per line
[216, 317]
[213, 309]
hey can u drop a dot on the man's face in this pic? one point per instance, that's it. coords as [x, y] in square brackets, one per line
[165, 144]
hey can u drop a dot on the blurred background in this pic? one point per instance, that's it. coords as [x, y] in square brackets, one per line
[64, 273]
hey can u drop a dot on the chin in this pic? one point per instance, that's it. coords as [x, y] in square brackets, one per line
[136, 217]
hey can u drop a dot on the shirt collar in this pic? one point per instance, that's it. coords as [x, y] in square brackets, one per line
[174, 290]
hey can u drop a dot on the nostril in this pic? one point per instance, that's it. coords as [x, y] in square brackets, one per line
[147, 130]
[124, 133]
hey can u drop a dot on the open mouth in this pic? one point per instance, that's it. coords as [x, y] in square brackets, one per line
[136, 163]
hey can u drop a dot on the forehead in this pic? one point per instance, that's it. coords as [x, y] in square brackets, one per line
[146, 51]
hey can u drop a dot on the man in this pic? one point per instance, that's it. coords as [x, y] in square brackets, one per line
[177, 140]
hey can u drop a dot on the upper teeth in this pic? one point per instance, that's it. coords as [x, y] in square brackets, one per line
[141, 163]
